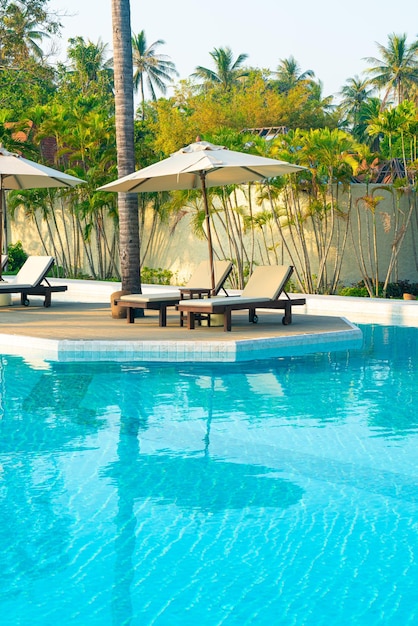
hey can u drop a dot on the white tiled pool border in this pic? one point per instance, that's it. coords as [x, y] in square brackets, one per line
[180, 351]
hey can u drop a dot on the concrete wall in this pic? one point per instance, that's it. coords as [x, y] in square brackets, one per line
[174, 246]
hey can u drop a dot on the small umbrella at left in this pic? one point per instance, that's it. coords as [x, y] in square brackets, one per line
[16, 172]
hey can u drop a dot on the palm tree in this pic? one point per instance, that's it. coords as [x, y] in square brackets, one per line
[368, 110]
[156, 67]
[89, 63]
[124, 113]
[397, 69]
[289, 75]
[22, 36]
[89, 59]
[354, 93]
[227, 72]
[394, 123]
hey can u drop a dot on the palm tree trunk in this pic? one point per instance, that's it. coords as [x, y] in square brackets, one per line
[124, 113]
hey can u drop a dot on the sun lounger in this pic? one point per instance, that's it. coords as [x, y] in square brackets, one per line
[262, 291]
[198, 286]
[31, 280]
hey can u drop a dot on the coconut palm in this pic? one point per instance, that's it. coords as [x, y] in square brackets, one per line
[124, 114]
[88, 58]
[23, 35]
[394, 123]
[397, 69]
[289, 75]
[354, 93]
[369, 109]
[157, 68]
[227, 72]
[89, 64]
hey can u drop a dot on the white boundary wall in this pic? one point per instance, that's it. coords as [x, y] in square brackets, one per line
[174, 246]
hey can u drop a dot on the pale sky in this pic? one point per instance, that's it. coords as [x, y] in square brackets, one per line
[330, 37]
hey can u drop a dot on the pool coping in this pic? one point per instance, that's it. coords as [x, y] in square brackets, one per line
[216, 351]
[348, 309]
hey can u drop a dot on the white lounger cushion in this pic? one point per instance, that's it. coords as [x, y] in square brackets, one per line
[152, 297]
[33, 270]
[228, 301]
[201, 278]
[266, 282]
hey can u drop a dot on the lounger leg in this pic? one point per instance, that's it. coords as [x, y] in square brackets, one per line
[47, 301]
[227, 320]
[162, 317]
[130, 317]
[190, 320]
[287, 319]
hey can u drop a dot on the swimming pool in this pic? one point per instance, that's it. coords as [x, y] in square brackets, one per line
[280, 492]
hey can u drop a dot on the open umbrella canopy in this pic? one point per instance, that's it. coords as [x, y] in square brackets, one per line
[183, 170]
[16, 172]
[202, 165]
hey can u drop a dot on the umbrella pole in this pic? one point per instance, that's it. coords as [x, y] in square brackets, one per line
[209, 231]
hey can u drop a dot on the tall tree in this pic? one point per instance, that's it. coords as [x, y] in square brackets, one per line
[124, 112]
[354, 93]
[90, 63]
[394, 123]
[23, 26]
[150, 67]
[289, 75]
[227, 72]
[397, 69]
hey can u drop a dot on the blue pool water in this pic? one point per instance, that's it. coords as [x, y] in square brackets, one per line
[282, 492]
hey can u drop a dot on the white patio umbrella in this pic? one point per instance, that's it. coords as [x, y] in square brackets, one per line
[17, 172]
[202, 165]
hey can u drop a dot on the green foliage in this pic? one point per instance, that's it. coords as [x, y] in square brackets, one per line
[16, 257]
[354, 292]
[155, 276]
[394, 290]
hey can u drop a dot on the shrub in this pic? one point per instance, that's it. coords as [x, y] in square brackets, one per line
[355, 292]
[151, 276]
[394, 290]
[16, 257]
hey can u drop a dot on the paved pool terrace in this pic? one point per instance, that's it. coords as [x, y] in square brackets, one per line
[79, 326]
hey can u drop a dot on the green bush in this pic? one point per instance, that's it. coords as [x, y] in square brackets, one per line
[394, 290]
[158, 276]
[16, 257]
[355, 292]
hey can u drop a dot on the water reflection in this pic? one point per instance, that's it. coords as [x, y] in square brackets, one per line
[168, 433]
[41, 417]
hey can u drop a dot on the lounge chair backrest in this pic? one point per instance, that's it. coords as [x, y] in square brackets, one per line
[201, 278]
[267, 281]
[33, 270]
[3, 260]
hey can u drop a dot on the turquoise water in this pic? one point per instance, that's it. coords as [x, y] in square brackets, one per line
[282, 492]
